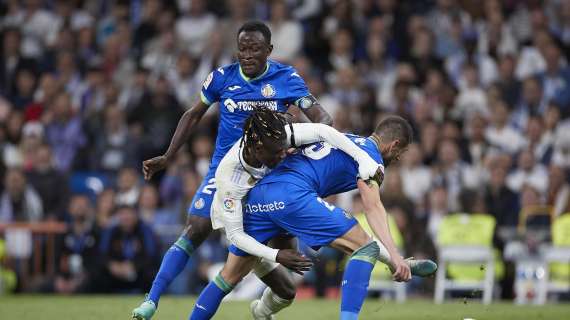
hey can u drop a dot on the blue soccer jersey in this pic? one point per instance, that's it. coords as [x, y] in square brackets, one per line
[290, 198]
[277, 88]
[326, 170]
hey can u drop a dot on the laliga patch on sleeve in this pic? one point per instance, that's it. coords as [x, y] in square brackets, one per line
[229, 204]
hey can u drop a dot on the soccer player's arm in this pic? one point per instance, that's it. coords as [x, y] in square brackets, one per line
[209, 94]
[377, 219]
[299, 134]
[232, 219]
[304, 100]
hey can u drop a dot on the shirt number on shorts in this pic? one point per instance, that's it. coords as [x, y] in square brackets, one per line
[326, 204]
[210, 187]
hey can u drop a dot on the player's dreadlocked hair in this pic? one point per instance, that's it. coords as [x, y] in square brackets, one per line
[264, 124]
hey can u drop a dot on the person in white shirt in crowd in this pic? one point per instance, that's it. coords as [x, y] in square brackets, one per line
[195, 26]
[500, 134]
[416, 178]
[287, 34]
[528, 172]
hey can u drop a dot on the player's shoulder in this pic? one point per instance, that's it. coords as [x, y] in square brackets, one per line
[227, 70]
[283, 69]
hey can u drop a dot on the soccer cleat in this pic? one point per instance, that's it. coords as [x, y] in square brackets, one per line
[252, 307]
[145, 311]
[420, 268]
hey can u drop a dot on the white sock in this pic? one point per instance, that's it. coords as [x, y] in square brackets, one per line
[270, 303]
[384, 255]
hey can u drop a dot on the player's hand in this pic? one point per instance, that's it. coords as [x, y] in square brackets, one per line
[152, 166]
[368, 168]
[291, 259]
[402, 272]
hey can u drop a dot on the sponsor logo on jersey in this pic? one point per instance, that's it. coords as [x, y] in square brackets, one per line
[199, 204]
[347, 214]
[233, 106]
[268, 207]
[268, 91]
[208, 80]
[233, 88]
[229, 204]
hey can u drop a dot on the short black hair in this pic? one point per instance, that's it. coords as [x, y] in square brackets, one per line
[394, 128]
[264, 124]
[256, 25]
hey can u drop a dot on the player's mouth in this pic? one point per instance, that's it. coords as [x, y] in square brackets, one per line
[248, 67]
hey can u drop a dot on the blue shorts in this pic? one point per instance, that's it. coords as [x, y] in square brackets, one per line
[203, 198]
[277, 208]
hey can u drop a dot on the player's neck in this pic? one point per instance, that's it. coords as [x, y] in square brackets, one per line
[376, 139]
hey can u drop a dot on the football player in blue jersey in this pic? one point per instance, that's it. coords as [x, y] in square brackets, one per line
[290, 200]
[254, 81]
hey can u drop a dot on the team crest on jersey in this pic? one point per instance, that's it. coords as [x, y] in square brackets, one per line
[228, 204]
[199, 203]
[268, 91]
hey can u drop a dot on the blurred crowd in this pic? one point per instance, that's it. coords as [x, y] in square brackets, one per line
[91, 88]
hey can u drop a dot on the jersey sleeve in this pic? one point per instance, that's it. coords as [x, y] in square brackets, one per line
[212, 87]
[297, 89]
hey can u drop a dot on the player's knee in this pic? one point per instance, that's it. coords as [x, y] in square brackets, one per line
[369, 252]
[197, 229]
[286, 290]
[232, 278]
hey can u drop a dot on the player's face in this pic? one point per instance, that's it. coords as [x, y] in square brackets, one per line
[271, 154]
[394, 153]
[252, 53]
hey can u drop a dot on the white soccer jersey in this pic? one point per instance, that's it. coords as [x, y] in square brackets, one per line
[234, 179]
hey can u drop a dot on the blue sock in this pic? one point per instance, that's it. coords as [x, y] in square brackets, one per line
[355, 280]
[210, 299]
[173, 262]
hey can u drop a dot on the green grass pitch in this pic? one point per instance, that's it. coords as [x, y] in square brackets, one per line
[119, 307]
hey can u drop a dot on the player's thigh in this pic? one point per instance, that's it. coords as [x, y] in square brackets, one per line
[202, 201]
[237, 267]
[312, 219]
[284, 241]
[353, 239]
[198, 224]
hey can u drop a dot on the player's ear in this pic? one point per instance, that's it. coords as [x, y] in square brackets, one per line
[269, 49]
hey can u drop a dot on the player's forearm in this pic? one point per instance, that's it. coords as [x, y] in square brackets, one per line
[317, 114]
[340, 141]
[185, 126]
[237, 236]
[377, 218]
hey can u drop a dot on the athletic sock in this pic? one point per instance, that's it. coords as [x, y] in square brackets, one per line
[210, 299]
[355, 280]
[173, 262]
[270, 303]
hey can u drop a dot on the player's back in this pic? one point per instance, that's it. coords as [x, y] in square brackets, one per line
[323, 168]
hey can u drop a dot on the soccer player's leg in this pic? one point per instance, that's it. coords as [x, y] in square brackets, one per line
[198, 227]
[238, 264]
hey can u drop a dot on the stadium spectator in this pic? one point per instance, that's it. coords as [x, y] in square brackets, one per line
[64, 132]
[528, 172]
[19, 201]
[114, 147]
[558, 195]
[436, 209]
[79, 262]
[50, 184]
[286, 34]
[500, 200]
[129, 253]
[128, 187]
